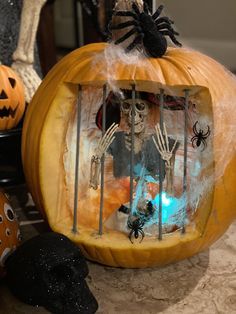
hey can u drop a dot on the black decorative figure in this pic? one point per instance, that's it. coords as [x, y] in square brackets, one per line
[200, 136]
[136, 227]
[49, 270]
[151, 30]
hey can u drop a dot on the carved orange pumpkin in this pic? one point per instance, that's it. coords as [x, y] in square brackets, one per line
[49, 140]
[9, 230]
[12, 101]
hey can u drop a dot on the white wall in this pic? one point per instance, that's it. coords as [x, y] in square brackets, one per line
[207, 25]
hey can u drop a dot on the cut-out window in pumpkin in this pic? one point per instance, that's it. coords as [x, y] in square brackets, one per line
[163, 189]
[161, 157]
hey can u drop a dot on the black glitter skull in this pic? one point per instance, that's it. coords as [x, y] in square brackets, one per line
[49, 270]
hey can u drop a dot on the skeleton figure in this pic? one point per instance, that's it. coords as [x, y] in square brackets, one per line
[24, 54]
[148, 153]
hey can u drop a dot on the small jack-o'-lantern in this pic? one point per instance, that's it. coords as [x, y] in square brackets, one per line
[9, 230]
[12, 101]
[149, 177]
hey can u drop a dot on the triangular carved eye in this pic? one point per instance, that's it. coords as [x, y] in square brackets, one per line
[3, 95]
[12, 82]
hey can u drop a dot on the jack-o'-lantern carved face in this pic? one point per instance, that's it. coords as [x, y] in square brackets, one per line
[9, 230]
[12, 102]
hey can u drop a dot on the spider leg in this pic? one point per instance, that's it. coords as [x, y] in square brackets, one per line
[158, 12]
[208, 132]
[194, 138]
[142, 234]
[195, 128]
[135, 42]
[164, 19]
[146, 8]
[172, 37]
[123, 25]
[127, 35]
[135, 8]
[129, 224]
[126, 13]
[142, 223]
[130, 236]
[168, 27]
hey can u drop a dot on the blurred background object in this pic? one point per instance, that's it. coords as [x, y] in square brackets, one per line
[208, 26]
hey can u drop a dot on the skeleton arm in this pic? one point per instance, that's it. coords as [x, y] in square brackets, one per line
[101, 149]
[24, 54]
[167, 154]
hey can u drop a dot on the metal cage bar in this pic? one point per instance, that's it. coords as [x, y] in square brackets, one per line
[100, 228]
[132, 148]
[160, 168]
[78, 125]
[186, 97]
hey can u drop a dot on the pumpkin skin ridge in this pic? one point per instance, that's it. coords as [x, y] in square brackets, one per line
[175, 64]
[211, 234]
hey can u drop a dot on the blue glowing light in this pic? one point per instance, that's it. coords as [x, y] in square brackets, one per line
[173, 209]
[165, 200]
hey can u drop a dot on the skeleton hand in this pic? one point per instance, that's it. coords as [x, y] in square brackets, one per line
[163, 147]
[102, 147]
[162, 144]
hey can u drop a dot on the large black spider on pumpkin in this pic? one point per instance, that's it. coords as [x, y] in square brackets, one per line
[150, 29]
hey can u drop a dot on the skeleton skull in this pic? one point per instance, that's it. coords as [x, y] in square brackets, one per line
[49, 271]
[140, 113]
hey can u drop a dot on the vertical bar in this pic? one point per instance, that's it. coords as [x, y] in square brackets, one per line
[102, 160]
[132, 149]
[78, 124]
[186, 91]
[160, 168]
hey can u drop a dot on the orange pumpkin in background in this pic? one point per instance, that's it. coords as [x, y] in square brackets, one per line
[12, 100]
[9, 230]
[49, 149]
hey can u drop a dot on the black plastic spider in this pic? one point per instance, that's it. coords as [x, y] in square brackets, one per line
[151, 30]
[136, 227]
[199, 136]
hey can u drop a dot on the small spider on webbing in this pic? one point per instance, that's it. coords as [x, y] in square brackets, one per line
[200, 136]
[150, 29]
[136, 227]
